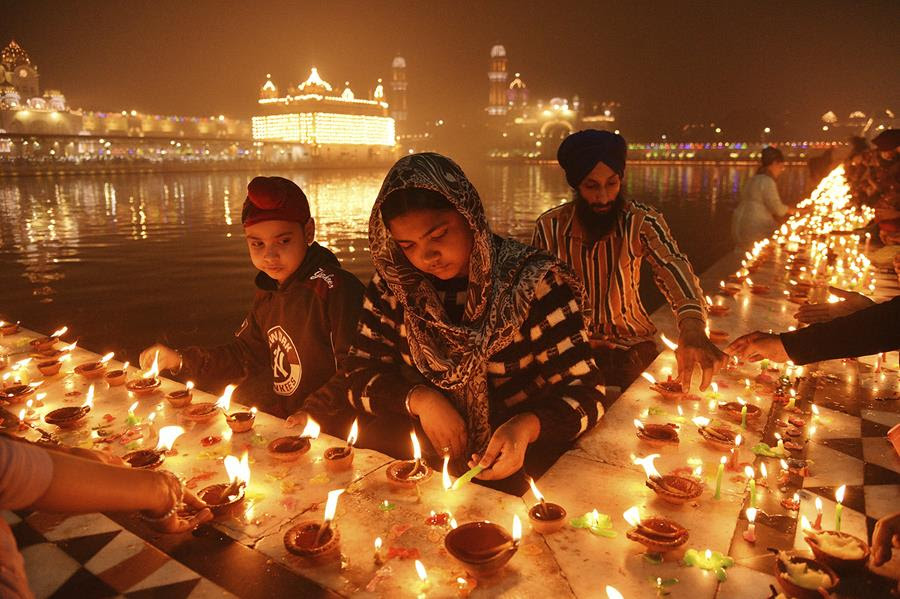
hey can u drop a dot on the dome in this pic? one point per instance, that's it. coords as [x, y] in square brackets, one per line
[13, 55]
[268, 89]
[498, 51]
[399, 62]
[347, 94]
[517, 83]
[314, 84]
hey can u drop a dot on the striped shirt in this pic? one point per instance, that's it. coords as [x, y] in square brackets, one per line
[547, 369]
[611, 269]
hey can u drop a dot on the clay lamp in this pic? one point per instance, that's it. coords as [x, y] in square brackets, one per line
[672, 488]
[407, 474]
[546, 518]
[149, 459]
[51, 367]
[43, 344]
[659, 535]
[288, 449]
[720, 437]
[657, 435]
[116, 377]
[483, 548]
[95, 369]
[714, 309]
[181, 397]
[803, 577]
[9, 328]
[18, 393]
[731, 289]
[241, 422]
[338, 459]
[757, 288]
[840, 551]
[318, 543]
[226, 500]
[718, 335]
[668, 389]
[148, 382]
[206, 411]
[71, 416]
[735, 410]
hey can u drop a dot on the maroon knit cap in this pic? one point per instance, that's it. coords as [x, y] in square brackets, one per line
[274, 198]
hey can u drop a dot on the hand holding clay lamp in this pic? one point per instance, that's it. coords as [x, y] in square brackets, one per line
[71, 417]
[9, 328]
[802, 577]
[720, 437]
[483, 548]
[317, 543]
[338, 459]
[546, 518]
[226, 499]
[148, 459]
[95, 369]
[407, 474]
[181, 397]
[42, 344]
[288, 449]
[205, 411]
[672, 488]
[116, 377]
[669, 389]
[656, 533]
[148, 382]
[840, 551]
[657, 434]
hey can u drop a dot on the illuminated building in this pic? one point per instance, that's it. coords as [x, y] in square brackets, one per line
[315, 120]
[398, 93]
[497, 76]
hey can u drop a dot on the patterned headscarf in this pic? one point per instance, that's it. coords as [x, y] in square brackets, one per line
[503, 274]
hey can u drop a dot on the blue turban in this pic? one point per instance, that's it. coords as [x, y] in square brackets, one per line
[580, 152]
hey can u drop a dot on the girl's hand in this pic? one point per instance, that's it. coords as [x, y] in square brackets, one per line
[442, 423]
[505, 454]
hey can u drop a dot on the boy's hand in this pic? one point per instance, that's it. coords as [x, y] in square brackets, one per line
[442, 423]
[757, 346]
[885, 537]
[505, 454]
[169, 359]
[812, 313]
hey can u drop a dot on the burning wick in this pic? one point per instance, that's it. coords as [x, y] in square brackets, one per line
[750, 533]
[613, 593]
[378, 558]
[539, 497]
[224, 401]
[445, 475]
[238, 473]
[330, 509]
[423, 577]
[839, 508]
[417, 452]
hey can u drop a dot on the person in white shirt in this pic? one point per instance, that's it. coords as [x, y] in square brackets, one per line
[757, 214]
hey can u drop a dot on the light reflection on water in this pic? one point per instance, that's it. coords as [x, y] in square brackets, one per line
[126, 260]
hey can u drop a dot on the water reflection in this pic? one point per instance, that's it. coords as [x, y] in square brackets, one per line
[125, 260]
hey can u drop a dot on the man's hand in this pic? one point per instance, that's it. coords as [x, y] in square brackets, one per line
[757, 346]
[695, 348]
[169, 359]
[298, 418]
[812, 313]
[505, 453]
[885, 537]
[442, 423]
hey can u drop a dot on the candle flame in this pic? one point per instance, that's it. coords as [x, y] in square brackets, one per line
[700, 421]
[749, 472]
[40, 397]
[818, 504]
[107, 357]
[722, 460]
[708, 554]
[638, 424]
[680, 411]
[667, 342]
[417, 450]
[70, 347]
[238, 470]
[784, 465]
[698, 471]
[709, 301]
[167, 436]
[22, 363]
[647, 464]
[224, 401]
[22, 415]
[804, 524]
[125, 366]
[377, 543]
[35, 384]
[797, 498]
[715, 387]
[420, 570]
[151, 417]
[89, 402]
[812, 430]
[132, 408]
[632, 515]
[839, 494]
[649, 377]
[253, 410]
[751, 514]
[59, 332]
[354, 433]
[516, 529]
[311, 430]
[778, 436]
[445, 474]
[750, 281]
[29, 403]
[154, 368]
[613, 593]
[189, 385]
[737, 440]
[331, 504]
[815, 410]
[537, 494]
[453, 523]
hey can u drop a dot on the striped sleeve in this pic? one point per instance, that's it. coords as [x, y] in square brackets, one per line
[377, 379]
[572, 400]
[671, 269]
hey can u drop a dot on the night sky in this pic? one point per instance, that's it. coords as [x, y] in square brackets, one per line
[667, 63]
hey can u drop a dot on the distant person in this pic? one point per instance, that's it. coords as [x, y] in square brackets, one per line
[303, 318]
[605, 237]
[760, 208]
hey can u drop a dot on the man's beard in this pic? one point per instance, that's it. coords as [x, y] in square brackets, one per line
[598, 225]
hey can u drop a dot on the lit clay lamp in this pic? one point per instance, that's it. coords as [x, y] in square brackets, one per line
[241, 422]
[730, 289]
[843, 553]
[546, 518]
[288, 449]
[9, 328]
[318, 543]
[659, 535]
[18, 393]
[225, 500]
[669, 389]
[148, 382]
[71, 416]
[51, 367]
[657, 435]
[149, 459]
[802, 577]
[714, 309]
[407, 474]
[117, 377]
[483, 548]
[671, 488]
[94, 369]
[181, 397]
[757, 288]
[338, 459]
[720, 437]
[735, 410]
[206, 411]
[43, 344]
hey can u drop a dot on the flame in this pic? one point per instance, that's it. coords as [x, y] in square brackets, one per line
[804, 524]
[70, 347]
[420, 570]
[132, 408]
[22, 415]
[709, 301]
[751, 514]
[708, 554]
[59, 332]
[224, 402]
[188, 386]
[750, 281]
[647, 464]
[680, 411]
[722, 460]
[762, 471]
[741, 401]
[445, 475]
[22, 363]
[35, 384]
[253, 410]
[516, 529]
[238, 469]
[167, 436]
[667, 342]
[537, 494]
[722, 284]
[613, 593]
[29, 403]
[354, 433]
[125, 366]
[632, 515]
[797, 498]
[106, 358]
[698, 471]
[89, 402]
[154, 368]
[700, 420]
[839, 494]
[715, 387]
[453, 523]
[638, 424]
[819, 504]
[40, 397]
[417, 450]
[815, 410]
[737, 440]
[311, 430]
[331, 504]
[377, 543]
[833, 299]
[784, 465]
[649, 377]
[151, 417]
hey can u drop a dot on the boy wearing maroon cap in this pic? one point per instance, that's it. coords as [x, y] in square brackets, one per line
[303, 317]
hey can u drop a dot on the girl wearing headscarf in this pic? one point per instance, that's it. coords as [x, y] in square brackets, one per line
[478, 339]
[756, 215]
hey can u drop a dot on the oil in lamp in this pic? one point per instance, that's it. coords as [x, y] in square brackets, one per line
[148, 381]
[483, 548]
[116, 377]
[671, 488]
[153, 458]
[95, 368]
[546, 518]
[341, 458]
[71, 416]
[407, 474]
[658, 534]
[316, 542]
[657, 434]
[288, 449]
[226, 499]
